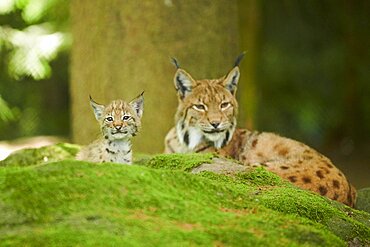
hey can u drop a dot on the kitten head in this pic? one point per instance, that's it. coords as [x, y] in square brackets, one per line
[119, 119]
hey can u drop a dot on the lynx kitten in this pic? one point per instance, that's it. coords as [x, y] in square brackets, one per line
[119, 122]
[205, 121]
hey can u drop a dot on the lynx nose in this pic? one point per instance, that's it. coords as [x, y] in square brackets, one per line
[215, 124]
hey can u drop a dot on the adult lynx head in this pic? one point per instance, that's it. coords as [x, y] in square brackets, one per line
[119, 120]
[207, 108]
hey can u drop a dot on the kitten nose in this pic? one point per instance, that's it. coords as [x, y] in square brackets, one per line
[118, 127]
[215, 124]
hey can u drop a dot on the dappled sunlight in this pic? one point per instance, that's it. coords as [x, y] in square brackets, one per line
[32, 50]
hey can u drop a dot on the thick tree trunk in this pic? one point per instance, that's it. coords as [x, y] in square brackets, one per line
[124, 47]
[249, 26]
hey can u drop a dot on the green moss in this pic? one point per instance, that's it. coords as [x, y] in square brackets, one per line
[261, 177]
[32, 156]
[345, 222]
[73, 202]
[183, 162]
[70, 203]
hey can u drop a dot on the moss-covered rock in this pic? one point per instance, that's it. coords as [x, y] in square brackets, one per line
[32, 156]
[162, 203]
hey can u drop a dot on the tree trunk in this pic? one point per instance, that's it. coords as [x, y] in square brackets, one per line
[124, 47]
[249, 26]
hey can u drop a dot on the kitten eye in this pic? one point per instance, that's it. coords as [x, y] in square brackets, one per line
[199, 107]
[109, 119]
[225, 105]
[125, 118]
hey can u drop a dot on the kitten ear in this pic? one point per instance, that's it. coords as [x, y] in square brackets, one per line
[231, 80]
[138, 105]
[98, 109]
[183, 82]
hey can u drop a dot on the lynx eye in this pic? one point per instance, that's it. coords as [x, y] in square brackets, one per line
[109, 119]
[126, 117]
[225, 105]
[199, 107]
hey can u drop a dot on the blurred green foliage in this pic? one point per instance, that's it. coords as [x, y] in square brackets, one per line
[34, 41]
[6, 113]
[313, 65]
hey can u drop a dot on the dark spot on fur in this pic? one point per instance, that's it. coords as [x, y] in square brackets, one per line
[306, 180]
[265, 165]
[101, 157]
[326, 170]
[111, 160]
[292, 179]
[323, 190]
[336, 196]
[284, 167]
[320, 174]
[106, 137]
[186, 138]
[300, 161]
[109, 151]
[254, 143]
[336, 184]
[182, 125]
[329, 165]
[307, 157]
[276, 146]
[340, 174]
[244, 157]
[283, 151]
[259, 154]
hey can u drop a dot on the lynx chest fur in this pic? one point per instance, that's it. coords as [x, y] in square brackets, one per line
[119, 122]
[205, 121]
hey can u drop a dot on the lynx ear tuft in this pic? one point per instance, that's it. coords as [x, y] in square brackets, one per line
[183, 82]
[174, 61]
[98, 109]
[138, 104]
[239, 59]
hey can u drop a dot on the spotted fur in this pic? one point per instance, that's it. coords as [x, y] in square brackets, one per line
[205, 121]
[119, 122]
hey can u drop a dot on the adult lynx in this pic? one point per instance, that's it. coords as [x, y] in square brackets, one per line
[205, 121]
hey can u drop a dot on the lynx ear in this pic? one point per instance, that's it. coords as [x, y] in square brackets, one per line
[231, 80]
[183, 82]
[98, 109]
[138, 104]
